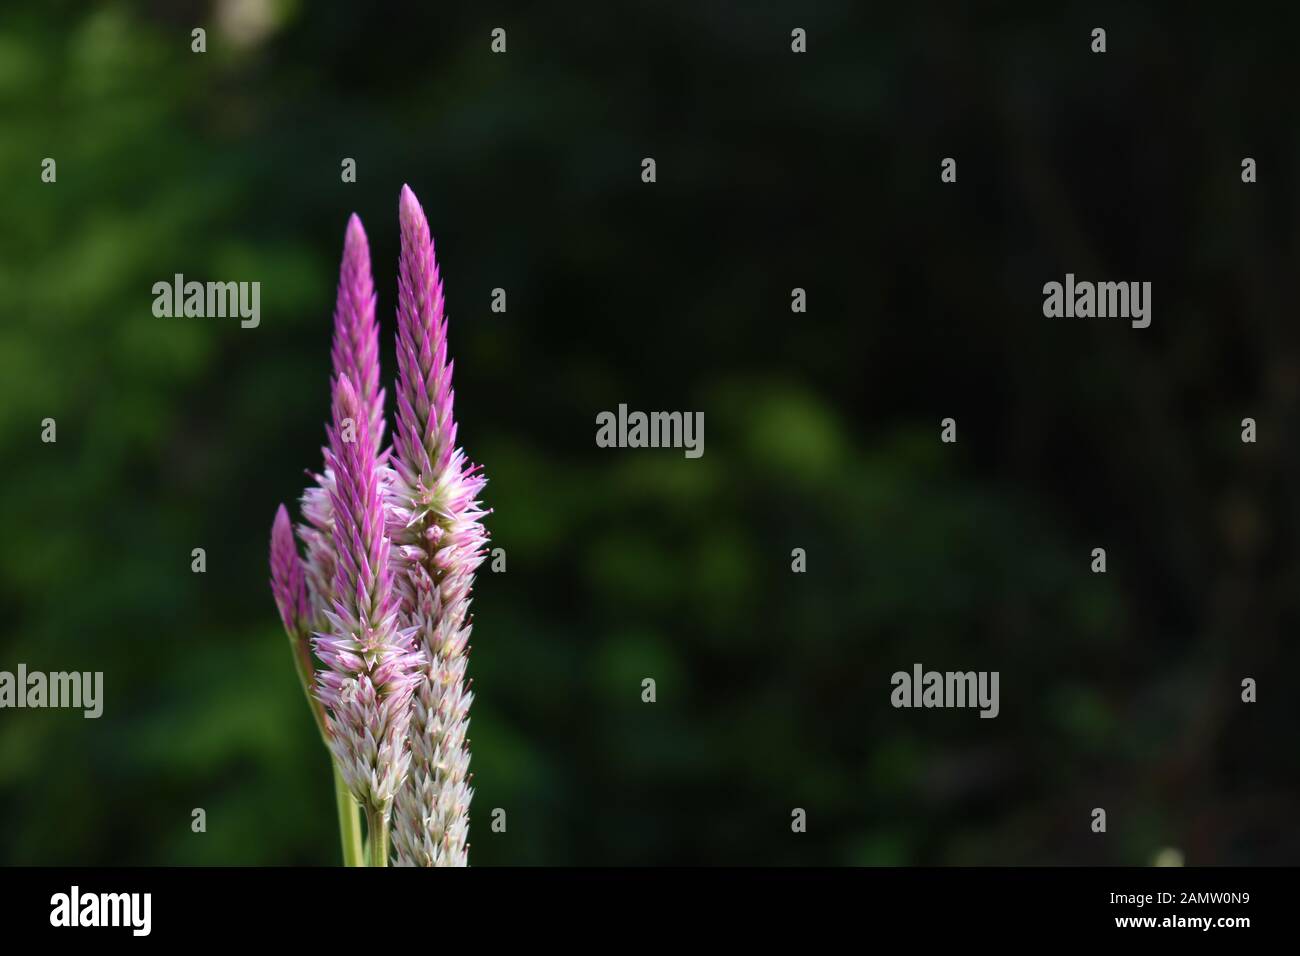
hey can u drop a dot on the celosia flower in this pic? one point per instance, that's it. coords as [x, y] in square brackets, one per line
[390, 558]
[435, 521]
[368, 667]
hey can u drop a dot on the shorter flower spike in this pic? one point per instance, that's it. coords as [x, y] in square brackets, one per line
[288, 584]
[289, 587]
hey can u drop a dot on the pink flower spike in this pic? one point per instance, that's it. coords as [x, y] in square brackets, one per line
[288, 585]
[369, 669]
[355, 350]
[435, 525]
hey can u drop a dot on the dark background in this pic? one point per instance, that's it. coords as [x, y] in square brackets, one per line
[775, 170]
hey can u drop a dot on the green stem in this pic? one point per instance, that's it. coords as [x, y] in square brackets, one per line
[377, 840]
[349, 812]
[349, 823]
[302, 663]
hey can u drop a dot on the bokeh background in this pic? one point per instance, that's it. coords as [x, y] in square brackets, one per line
[820, 171]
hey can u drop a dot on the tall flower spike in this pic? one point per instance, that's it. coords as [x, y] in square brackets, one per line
[369, 670]
[355, 354]
[435, 522]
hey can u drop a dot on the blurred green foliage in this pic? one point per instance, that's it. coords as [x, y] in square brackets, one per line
[821, 429]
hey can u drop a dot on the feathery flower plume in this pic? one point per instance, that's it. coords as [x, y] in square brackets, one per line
[435, 523]
[354, 353]
[369, 668]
